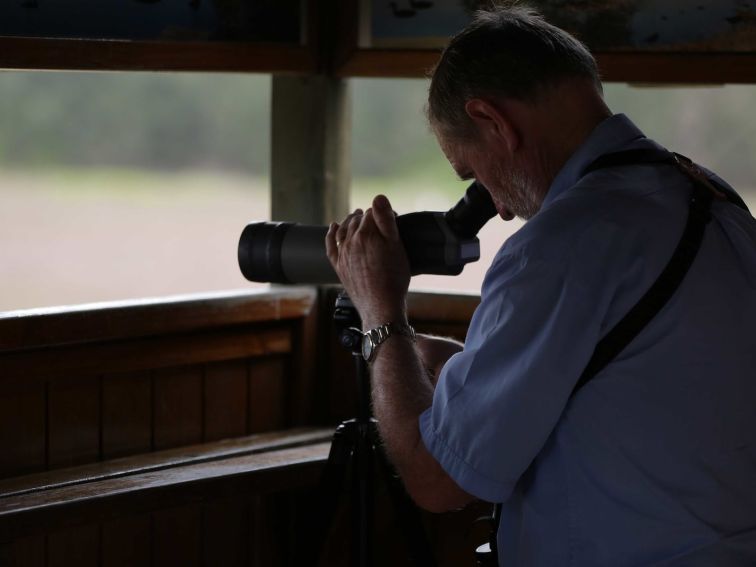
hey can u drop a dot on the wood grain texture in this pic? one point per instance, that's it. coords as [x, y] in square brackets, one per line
[442, 308]
[225, 527]
[124, 55]
[389, 63]
[40, 511]
[149, 317]
[161, 460]
[23, 419]
[267, 394]
[642, 67]
[127, 541]
[73, 421]
[310, 116]
[79, 546]
[147, 353]
[269, 530]
[225, 399]
[691, 68]
[24, 552]
[307, 401]
[177, 537]
[126, 414]
[177, 398]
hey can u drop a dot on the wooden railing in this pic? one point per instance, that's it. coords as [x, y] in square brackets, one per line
[82, 388]
[78, 386]
[160, 432]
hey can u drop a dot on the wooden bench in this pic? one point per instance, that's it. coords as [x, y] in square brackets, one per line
[96, 492]
[133, 487]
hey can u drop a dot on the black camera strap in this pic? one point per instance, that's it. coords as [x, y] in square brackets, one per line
[703, 193]
[705, 190]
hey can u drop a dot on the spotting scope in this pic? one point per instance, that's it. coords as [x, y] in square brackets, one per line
[435, 242]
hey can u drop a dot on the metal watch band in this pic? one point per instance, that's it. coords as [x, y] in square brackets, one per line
[382, 332]
[376, 336]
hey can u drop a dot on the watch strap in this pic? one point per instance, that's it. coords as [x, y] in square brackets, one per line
[378, 335]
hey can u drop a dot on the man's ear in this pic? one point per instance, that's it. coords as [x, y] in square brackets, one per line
[493, 122]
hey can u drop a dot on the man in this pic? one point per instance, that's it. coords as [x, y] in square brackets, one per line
[653, 462]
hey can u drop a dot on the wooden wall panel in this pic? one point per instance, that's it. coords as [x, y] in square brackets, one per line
[78, 547]
[177, 399]
[126, 542]
[307, 367]
[177, 537]
[126, 414]
[68, 399]
[267, 394]
[225, 533]
[26, 552]
[73, 421]
[225, 399]
[268, 543]
[22, 427]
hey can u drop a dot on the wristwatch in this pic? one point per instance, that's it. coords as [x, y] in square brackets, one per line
[374, 337]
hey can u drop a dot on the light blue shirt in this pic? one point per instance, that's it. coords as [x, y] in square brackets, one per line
[653, 462]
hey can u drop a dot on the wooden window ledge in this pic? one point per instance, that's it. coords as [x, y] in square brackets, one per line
[261, 463]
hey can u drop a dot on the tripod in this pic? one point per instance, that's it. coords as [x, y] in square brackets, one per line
[356, 448]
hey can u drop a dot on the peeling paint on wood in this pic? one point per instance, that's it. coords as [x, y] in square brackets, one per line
[194, 20]
[605, 25]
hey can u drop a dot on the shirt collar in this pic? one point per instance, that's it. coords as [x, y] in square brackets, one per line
[613, 134]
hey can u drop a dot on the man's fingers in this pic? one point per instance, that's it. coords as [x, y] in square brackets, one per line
[330, 243]
[367, 223]
[341, 233]
[384, 218]
[354, 224]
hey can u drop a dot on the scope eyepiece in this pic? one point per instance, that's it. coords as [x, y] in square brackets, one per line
[471, 212]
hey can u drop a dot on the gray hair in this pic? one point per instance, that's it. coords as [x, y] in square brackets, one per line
[508, 51]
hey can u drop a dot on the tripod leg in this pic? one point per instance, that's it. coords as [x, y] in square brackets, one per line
[407, 513]
[331, 487]
[363, 489]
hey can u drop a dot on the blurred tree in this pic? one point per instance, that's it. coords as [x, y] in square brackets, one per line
[158, 121]
[185, 121]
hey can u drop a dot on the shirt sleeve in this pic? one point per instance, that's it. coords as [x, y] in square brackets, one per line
[498, 400]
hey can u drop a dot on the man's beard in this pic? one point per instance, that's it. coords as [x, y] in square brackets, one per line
[523, 197]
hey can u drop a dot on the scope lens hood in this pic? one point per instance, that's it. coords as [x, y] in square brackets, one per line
[260, 251]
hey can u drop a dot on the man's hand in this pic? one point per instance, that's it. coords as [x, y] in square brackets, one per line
[369, 258]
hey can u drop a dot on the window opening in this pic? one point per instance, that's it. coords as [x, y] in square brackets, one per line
[394, 152]
[127, 185]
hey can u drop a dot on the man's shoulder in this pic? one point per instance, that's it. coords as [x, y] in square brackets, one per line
[606, 224]
[603, 206]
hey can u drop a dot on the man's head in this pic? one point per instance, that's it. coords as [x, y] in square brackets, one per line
[510, 99]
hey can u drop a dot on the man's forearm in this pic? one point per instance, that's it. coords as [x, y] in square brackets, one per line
[401, 392]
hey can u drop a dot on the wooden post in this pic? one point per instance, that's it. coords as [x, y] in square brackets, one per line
[310, 149]
[310, 179]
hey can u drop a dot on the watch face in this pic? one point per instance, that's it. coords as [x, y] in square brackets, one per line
[367, 347]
